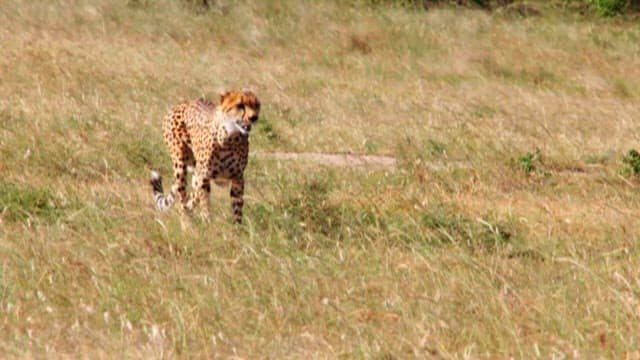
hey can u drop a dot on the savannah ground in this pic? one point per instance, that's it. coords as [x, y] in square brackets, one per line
[507, 228]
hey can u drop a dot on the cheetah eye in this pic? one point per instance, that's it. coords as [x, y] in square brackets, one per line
[253, 118]
[240, 107]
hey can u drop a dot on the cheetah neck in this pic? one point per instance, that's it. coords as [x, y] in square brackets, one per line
[228, 129]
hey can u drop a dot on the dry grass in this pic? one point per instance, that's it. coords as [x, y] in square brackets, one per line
[528, 250]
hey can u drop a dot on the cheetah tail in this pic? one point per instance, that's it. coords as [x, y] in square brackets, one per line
[162, 201]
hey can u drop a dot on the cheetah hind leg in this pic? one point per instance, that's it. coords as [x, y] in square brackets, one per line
[163, 202]
[200, 196]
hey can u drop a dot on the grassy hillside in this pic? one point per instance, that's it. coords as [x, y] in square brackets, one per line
[508, 227]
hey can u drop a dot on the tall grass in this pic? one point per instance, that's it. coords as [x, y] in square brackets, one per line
[506, 229]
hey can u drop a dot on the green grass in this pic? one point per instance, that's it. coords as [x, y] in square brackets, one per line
[473, 245]
[631, 162]
[609, 7]
[20, 202]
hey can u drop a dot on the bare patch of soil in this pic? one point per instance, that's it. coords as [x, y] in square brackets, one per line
[334, 159]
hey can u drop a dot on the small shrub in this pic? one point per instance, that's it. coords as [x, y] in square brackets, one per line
[609, 7]
[527, 162]
[631, 162]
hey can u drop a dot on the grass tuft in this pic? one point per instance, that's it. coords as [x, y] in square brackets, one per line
[631, 162]
[452, 227]
[21, 202]
[527, 162]
[609, 7]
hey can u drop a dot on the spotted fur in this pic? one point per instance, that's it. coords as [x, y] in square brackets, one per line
[214, 139]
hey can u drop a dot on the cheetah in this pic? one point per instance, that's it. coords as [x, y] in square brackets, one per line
[213, 138]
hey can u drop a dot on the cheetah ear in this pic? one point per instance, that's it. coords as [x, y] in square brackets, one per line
[222, 96]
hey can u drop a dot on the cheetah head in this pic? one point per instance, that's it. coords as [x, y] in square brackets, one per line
[241, 108]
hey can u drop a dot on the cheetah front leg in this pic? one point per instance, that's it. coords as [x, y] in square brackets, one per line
[237, 199]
